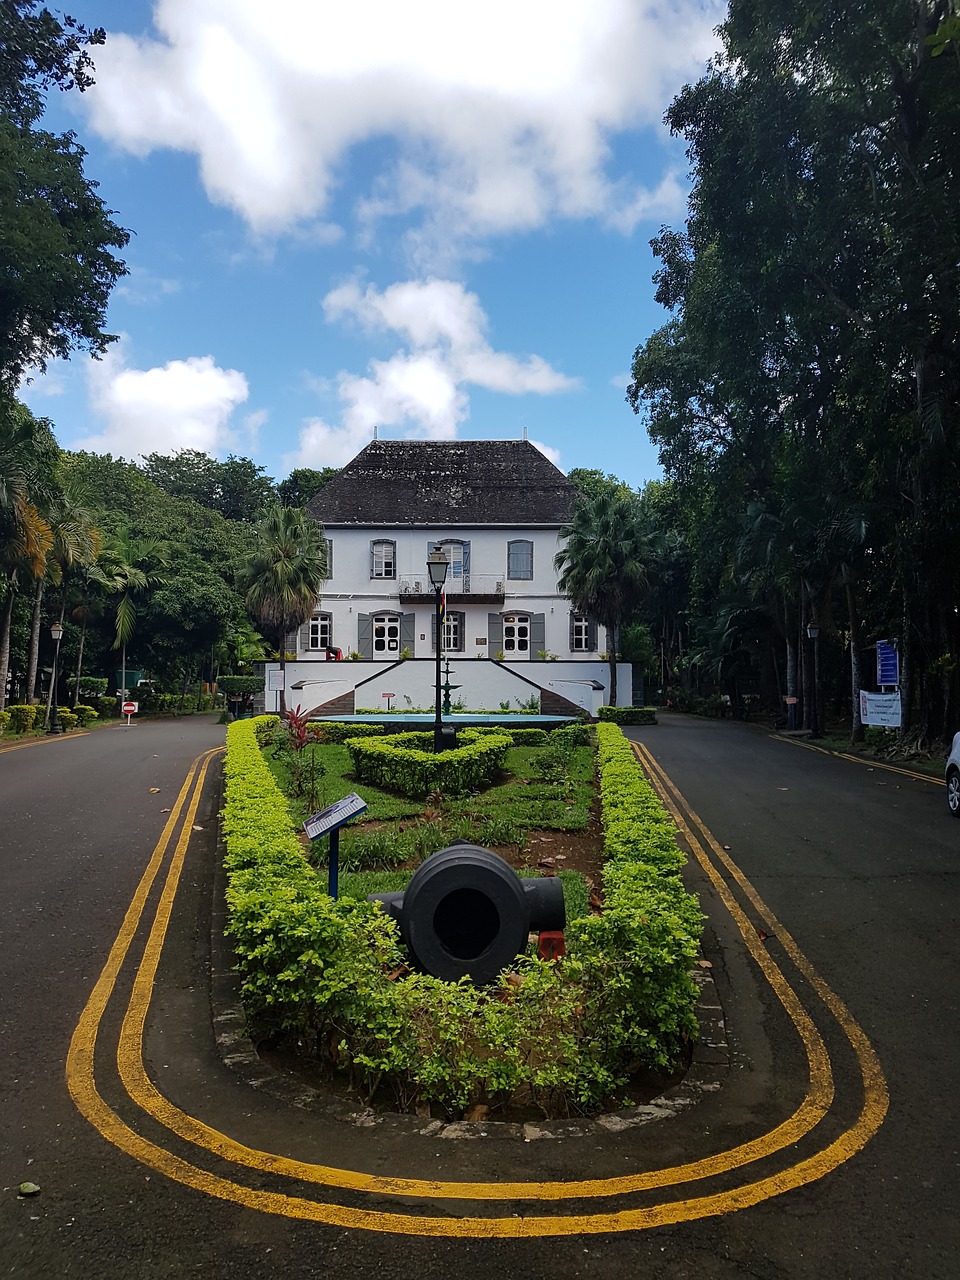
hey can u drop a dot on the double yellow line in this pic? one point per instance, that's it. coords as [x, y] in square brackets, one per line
[204, 1139]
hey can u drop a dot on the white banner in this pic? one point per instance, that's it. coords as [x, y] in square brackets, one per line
[275, 679]
[880, 708]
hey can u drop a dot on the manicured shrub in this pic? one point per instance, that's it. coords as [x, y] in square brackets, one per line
[23, 717]
[399, 763]
[85, 714]
[628, 715]
[93, 686]
[109, 706]
[68, 719]
[339, 731]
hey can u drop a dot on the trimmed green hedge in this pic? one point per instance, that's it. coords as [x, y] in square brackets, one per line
[337, 731]
[400, 763]
[628, 715]
[564, 1035]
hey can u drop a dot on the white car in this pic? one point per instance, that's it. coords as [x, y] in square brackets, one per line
[952, 777]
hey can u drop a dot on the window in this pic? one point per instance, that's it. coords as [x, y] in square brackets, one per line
[386, 634]
[329, 552]
[383, 559]
[516, 633]
[580, 638]
[321, 631]
[453, 632]
[520, 559]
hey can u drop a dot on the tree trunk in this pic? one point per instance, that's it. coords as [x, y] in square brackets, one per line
[906, 669]
[5, 621]
[33, 659]
[76, 683]
[853, 623]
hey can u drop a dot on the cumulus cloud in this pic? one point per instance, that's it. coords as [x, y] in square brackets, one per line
[184, 404]
[423, 389]
[500, 116]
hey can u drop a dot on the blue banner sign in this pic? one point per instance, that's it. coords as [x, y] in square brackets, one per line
[888, 663]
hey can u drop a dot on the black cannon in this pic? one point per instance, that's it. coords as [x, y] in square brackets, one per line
[466, 912]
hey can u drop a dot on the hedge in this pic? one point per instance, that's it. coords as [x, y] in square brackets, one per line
[564, 1035]
[402, 763]
[628, 715]
[23, 717]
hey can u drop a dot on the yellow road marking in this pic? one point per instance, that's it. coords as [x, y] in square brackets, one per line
[83, 1089]
[868, 764]
[43, 742]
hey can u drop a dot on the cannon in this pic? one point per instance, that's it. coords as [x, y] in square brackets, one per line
[466, 913]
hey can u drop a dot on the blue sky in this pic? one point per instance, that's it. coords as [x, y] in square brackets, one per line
[428, 217]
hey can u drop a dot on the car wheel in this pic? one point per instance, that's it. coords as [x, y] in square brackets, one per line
[953, 793]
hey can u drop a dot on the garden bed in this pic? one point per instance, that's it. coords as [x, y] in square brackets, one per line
[547, 1038]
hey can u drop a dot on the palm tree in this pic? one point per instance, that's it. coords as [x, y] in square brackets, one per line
[27, 453]
[129, 567]
[602, 564]
[77, 541]
[283, 579]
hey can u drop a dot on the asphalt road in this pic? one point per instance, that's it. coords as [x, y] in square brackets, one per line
[853, 900]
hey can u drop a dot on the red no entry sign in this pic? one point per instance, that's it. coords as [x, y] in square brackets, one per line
[130, 708]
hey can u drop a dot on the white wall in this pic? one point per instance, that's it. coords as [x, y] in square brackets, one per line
[483, 684]
[351, 591]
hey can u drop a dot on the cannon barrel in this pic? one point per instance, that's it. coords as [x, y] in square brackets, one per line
[466, 913]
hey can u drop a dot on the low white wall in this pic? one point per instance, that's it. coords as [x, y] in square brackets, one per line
[482, 684]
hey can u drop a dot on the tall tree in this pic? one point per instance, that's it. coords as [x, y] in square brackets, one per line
[56, 232]
[285, 574]
[128, 568]
[602, 564]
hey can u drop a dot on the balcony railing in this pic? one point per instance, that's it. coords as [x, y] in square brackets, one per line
[476, 586]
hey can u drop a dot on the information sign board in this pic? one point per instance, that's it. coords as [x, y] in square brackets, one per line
[888, 664]
[333, 818]
[880, 708]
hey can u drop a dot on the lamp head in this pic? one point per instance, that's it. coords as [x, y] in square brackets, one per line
[437, 565]
[56, 631]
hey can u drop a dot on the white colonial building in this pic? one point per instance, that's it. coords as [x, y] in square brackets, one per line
[495, 508]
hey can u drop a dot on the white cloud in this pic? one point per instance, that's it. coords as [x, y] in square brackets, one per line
[185, 404]
[144, 288]
[423, 389]
[502, 115]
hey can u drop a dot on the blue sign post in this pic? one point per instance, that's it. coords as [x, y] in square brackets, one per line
[328, 822]
[888, 664]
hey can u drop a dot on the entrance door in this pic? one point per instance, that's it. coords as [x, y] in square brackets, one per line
[516, 635]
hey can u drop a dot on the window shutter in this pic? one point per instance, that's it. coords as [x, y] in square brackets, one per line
[365, 635]
[461, 631]
[570, 637]
[408, 624]
[592, 636]
[433, 633]
[538, 633]
[304, 642]
[372, 545]
[494, 633]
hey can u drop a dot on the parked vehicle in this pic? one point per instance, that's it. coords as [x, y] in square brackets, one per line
[952, 777]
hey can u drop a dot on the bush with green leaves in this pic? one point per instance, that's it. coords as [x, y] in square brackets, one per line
[340, 731]
[23, 717]
[85, 714]
[563, 1035]
[108, 706]
[93, 686]
[627, 715]
[4, 721]
[399, 763]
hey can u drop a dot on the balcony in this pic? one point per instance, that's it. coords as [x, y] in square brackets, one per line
[470, 588]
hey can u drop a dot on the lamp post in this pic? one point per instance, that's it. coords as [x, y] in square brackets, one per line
[52, 720]
[813, 631]
[437, 566]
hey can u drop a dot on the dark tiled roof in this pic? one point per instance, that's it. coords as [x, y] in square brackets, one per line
[455, 482]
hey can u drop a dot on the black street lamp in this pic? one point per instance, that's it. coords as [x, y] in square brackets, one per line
[53, 719]
[813, 631]
[437, 565]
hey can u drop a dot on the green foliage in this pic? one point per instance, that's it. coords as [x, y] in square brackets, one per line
[92, 686]
[68, 719]
[396, 764]
[238, 686]
[22, 718]
[109, 706]
[627, 715]
[4, 721]
[337, 731]
[85, 714]
[562, 1035]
